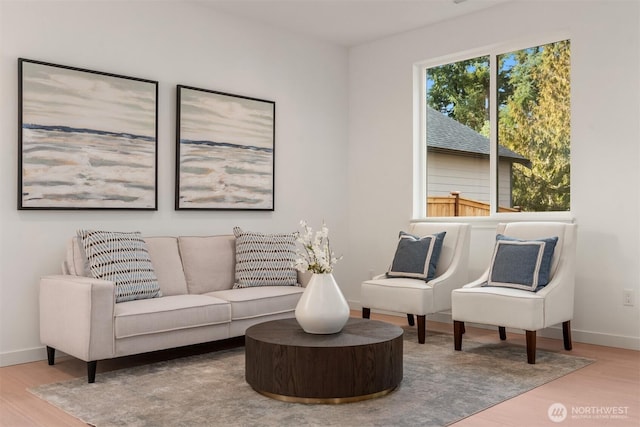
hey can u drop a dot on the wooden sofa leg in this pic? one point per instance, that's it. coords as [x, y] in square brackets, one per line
[531, 347]
[422, 328]
[91, 371]
[503, 332]
[566, 334]
[458, 330]
[51, 355]
[366, 312]
[410, 319]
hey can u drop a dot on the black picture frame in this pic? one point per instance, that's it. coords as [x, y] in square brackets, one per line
[87, 139]
[225, 151]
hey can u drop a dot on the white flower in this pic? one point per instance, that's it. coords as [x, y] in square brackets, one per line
[315, 254]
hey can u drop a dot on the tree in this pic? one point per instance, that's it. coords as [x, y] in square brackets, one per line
[461, 91]
[534, 121]
[533, 115]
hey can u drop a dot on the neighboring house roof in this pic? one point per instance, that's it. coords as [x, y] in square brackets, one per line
[445, 134]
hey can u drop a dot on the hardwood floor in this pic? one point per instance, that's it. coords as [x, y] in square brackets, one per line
[612, 383]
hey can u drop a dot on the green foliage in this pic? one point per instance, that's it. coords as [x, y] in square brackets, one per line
[534, 121]
[461, 91]
[533, 115]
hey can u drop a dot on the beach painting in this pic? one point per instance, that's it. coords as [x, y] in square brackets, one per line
[88, 140]
[225, 151]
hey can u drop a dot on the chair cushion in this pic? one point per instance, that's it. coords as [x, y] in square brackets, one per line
[265, 259]
[247, 303]
[508, 307]
[416, 257]
[521, 264]
[169, 314]
[402, 295]
[122, 258]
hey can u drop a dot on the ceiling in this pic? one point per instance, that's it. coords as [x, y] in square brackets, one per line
[349, 22]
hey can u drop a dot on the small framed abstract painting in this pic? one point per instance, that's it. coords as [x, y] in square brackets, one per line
[87, 139]
[225, 151]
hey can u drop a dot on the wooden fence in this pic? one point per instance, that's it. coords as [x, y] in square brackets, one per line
[454, 205]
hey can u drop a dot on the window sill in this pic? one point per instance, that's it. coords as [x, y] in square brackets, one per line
[495, 219]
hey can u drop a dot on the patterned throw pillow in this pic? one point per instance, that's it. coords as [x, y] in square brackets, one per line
[521, 264]
[417, 257]
[265, 259]
[122, 258]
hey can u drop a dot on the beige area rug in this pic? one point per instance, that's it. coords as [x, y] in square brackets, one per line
[440, 386]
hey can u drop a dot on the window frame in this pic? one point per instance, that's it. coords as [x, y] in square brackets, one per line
[420, 154]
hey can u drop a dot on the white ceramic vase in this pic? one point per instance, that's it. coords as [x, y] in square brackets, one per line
[322, 309]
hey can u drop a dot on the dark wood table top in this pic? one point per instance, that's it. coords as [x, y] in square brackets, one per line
[356, 332]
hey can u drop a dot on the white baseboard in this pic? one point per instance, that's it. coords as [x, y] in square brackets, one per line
[23, 356]
[587, 337]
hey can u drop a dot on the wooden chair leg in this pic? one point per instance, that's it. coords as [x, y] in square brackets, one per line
[422, 328]
[566, 334]
[91, 371]
[366, 312]
[531, 347]
[458, 330]
[51, 355]
[503, 332]
[410, 319]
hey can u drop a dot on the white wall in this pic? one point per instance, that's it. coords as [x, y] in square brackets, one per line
[173, 43]
[605, 49]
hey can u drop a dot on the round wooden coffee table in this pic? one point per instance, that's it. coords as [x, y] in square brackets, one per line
[362, 362]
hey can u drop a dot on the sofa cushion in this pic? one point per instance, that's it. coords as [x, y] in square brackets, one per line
[416, 257]
[167, 264]
[521, 264]
[259, 301]
[208, 261]
[265, 259]
[122, 258]
[170, 313]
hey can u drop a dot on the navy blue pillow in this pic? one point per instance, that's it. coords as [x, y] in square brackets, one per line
[521, 264]
[416, 257]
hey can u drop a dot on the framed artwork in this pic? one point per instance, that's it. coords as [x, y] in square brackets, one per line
[225, 151]
[87, 139]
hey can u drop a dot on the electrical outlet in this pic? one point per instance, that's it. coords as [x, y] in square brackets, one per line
[627, 297]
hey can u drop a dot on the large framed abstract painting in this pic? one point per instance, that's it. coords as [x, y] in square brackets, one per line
[225, 151]
[87, 139]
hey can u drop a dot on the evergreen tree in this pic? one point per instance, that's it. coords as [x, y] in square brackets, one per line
[533, 115]
[534, 121]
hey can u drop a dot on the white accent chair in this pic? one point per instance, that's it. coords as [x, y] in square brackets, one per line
[523, 309]
[415, 296]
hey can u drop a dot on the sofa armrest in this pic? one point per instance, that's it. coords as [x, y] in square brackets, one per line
[76, 316]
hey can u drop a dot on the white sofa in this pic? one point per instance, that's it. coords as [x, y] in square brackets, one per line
[79, 315]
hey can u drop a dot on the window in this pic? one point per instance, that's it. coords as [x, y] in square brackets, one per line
[496, 133]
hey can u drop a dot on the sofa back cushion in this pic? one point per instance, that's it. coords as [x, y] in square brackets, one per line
[165, 257]
[208, 262]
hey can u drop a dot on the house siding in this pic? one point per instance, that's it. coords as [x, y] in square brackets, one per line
[468, 175]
